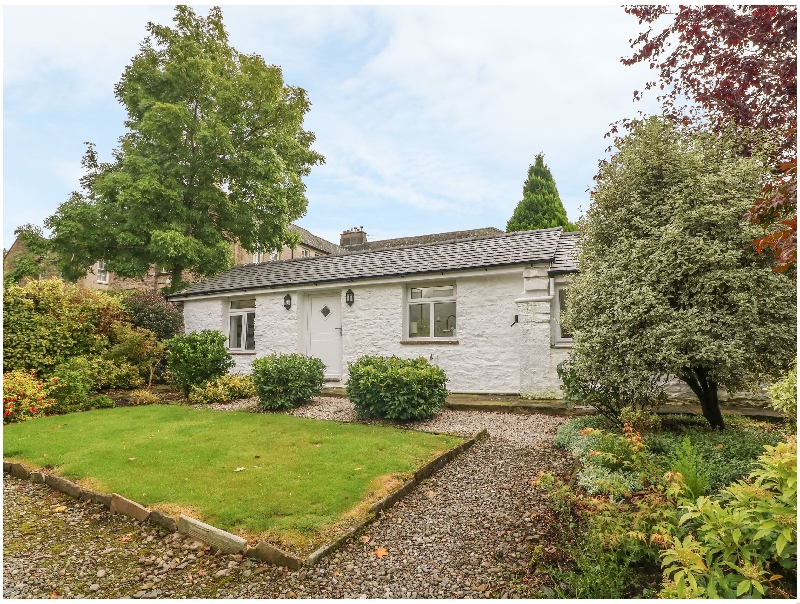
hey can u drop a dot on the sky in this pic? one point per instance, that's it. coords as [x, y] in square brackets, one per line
[428, 117]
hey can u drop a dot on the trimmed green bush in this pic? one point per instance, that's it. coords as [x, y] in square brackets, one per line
[196, 358]
[784, 397]
[395, 388]
[284, 381]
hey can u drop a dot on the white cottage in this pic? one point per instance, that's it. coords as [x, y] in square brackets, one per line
[484, 309]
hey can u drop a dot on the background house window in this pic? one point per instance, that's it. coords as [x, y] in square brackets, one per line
[241, 324]
[258, 257]
[305, 254]
[102, 273]
[561, 305]
[275, 255]
[432, 312]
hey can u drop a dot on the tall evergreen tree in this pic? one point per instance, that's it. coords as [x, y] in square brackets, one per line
[541, 207]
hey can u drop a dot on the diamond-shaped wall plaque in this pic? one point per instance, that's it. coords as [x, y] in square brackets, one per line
[325, 311]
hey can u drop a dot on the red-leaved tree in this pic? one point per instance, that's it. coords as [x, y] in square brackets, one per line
[722, 63]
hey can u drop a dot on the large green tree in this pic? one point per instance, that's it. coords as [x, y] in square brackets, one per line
[214, 153]
[669, 284]
[541, 207]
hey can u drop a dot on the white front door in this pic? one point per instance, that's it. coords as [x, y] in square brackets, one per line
[325, 332]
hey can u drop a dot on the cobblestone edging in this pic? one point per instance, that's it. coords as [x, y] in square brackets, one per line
[222, 540]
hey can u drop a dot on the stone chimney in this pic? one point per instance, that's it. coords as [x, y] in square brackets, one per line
[354, 236]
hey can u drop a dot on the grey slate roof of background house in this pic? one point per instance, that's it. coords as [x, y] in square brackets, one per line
[385, 244]
[505, 249]
[566, 259]
[318, 243]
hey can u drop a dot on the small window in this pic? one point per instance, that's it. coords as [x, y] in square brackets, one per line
[561, 305]
[275, 255]
[305, 253]
[432, 312]
[102, 273]
[241, 324]
[258, 257]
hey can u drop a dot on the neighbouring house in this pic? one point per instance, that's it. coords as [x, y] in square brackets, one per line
[158, 278]
[484, 307]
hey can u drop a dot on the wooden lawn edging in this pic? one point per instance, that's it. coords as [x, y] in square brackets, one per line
[228, 542]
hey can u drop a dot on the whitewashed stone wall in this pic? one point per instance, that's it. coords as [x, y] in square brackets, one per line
[486, 358]
[492, 355]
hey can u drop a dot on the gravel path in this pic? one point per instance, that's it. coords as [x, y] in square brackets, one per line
[467, 532]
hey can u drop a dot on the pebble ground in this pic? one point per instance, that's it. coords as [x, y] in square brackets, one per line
[468, 531]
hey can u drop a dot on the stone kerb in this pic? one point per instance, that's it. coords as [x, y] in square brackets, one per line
[228, 542]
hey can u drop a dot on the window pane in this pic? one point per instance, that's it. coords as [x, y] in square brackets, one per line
[444, 291]
[419, 321]
[246, 303]
[250, 339]
[444, 323]
[562, 306]
[235, 333]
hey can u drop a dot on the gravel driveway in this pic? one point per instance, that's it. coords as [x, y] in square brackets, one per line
[466, 532]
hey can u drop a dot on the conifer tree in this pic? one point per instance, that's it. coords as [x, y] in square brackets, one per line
[541, 207]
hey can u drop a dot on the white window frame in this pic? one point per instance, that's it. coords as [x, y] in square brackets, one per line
[431, 301]
[243, 312]
[258, 257]
[275, 255]
[304, 253]
[557, 337]
[102, 273]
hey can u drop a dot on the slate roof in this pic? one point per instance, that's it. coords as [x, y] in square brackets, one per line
[318, 243]
[505, 249]
[385, 244]
[566, 258]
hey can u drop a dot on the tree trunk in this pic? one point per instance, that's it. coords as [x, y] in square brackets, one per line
[707, 392]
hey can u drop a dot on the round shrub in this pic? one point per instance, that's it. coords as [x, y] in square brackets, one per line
[151, 310]
[283, 381]
[197, 358]
[395, 388]
[143, 397]
[24, 396]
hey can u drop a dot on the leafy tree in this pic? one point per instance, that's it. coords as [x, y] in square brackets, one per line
[541, 207]
[669, 284]
[33, 259]
[214, 153]
[735, 63]
[150, 310]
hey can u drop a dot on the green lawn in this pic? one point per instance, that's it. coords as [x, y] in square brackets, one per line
[303, 480]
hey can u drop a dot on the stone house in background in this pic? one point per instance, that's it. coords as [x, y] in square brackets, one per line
[483, 305]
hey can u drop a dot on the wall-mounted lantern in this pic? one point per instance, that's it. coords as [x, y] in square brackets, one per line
[287, 302]
[349, 297]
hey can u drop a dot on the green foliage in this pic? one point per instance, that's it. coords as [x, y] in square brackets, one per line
[395, 388]
[143, 397]
[32, 260]
[71, 384]
[138, 348]
[669, 283]
[541, 206]
[784, 397]
[640, 420]
[690, 465]
[742, 542]
[150, 310]
[230, 387]
[214, 153]
[24, 396]
[47, 322]
[196, 358]
[284, 381]
[569, 435]
[609, 399]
